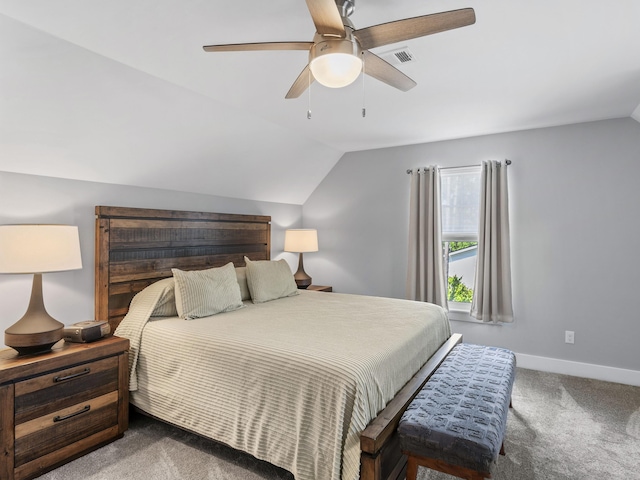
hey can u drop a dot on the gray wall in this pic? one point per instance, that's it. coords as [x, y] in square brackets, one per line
[575, 201]
[68, 296]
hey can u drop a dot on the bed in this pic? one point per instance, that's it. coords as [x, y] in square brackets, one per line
[312, 382]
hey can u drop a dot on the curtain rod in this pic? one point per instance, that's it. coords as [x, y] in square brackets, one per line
[507, 162]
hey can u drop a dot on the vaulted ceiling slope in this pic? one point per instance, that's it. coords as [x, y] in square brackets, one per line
[122, 92]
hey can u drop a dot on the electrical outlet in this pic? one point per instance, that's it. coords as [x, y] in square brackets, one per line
[569, 336]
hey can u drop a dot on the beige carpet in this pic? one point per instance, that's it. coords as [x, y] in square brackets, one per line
[561, 427]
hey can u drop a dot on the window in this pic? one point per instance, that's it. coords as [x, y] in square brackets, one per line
[460, 195]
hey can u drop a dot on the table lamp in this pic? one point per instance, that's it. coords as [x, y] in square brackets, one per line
[37, 249]
[301, 240]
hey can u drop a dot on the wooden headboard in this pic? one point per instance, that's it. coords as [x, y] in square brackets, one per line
[136, 247]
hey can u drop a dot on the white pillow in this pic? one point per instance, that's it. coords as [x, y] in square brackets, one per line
[201, 293]
[269, 280]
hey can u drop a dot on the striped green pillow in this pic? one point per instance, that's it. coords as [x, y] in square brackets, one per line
[201, 293]
[269, 280]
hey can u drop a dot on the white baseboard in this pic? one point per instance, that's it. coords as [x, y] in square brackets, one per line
[578, 369]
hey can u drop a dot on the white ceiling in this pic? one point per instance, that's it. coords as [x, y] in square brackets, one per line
[121, 91]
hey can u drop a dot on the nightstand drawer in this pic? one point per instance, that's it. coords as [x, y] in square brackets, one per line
[52, 432]
[61, 389]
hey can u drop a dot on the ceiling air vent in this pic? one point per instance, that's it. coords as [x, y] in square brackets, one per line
[399, 56]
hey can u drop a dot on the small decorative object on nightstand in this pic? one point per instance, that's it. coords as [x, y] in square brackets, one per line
[60, 405]
[300, 241]
[320, 288]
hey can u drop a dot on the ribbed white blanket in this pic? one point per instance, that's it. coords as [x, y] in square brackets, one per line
[293, 381]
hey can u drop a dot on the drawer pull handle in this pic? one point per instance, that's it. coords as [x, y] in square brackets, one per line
[59, 418]
[73, 375]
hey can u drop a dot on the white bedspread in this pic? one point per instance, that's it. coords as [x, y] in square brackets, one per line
[293, 381]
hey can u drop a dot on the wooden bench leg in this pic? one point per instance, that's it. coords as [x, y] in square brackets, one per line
[502, 446]
[457, 471]
[412, 468]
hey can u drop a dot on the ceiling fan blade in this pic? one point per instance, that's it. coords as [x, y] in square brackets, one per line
[241, 47]
[400, 30]
[301, 84]
[385, 72]
[326, 17]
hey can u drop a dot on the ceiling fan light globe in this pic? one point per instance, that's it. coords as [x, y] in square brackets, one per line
[336, 70]
[335, 62]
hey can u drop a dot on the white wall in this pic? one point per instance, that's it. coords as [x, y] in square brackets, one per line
[575, 201]
[69, 296]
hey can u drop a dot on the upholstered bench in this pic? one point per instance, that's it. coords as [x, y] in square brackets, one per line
[456, 423]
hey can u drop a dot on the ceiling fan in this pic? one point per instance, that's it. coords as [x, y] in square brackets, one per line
[338, 51]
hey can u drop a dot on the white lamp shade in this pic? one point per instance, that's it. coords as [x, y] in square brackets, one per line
[301, 240]
[336, 70]
[39, 248]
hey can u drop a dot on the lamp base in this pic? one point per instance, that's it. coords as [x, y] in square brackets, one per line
[11, 341]
[36, 331]
[33, 334]
[303, 282]
[302, 279]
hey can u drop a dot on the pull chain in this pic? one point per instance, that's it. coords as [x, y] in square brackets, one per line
[309, 89]
[364, 110]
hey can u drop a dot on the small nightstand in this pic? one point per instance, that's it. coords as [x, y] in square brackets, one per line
[320, 288]
[57, 406]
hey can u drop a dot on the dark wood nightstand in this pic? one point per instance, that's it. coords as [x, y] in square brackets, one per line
[320, 288]
[57, 406]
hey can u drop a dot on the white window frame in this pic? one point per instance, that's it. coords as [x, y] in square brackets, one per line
[460, 308]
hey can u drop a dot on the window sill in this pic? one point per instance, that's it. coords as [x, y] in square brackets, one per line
[457, 315]
[461, 316]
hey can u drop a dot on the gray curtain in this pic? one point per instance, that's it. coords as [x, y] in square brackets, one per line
[492, 292]
[425, 270]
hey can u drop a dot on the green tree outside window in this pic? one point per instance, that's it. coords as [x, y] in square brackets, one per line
[458, 291]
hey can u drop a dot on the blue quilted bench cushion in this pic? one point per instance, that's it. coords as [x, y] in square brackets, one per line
[460, 415]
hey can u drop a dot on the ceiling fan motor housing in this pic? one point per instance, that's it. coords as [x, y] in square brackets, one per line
[331, 45]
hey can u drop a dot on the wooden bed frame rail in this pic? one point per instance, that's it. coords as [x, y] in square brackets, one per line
[136, 247]
[381, 458]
